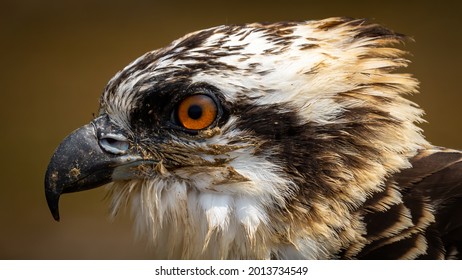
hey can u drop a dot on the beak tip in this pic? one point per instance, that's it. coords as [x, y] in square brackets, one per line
[52, 201]
[52, 192]
[56, 216]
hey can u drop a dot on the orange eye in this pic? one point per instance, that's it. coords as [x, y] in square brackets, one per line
[197, 112]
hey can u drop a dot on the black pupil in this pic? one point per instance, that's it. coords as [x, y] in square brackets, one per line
[195, 112]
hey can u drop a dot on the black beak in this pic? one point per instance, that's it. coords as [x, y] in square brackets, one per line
[86, 159]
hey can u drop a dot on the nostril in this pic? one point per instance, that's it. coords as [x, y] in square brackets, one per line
[115, 144]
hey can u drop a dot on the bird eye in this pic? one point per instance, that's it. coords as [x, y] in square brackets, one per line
[197, 112]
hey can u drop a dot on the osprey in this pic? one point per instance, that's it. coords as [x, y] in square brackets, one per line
[290, 140]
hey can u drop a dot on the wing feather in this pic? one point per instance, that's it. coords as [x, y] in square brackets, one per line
[436, 174]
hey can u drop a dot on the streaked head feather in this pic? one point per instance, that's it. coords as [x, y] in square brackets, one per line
[317, 123]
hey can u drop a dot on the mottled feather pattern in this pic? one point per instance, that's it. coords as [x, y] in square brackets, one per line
[317, 155]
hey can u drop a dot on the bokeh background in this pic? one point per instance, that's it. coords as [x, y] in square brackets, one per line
[56, 57]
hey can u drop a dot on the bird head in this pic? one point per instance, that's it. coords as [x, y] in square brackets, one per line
[249, 141]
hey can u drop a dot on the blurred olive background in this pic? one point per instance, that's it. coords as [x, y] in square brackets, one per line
[56, 57]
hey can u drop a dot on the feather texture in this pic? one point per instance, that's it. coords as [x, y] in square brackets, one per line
[315, 152]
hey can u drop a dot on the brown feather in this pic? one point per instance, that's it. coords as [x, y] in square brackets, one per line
[437, 174]
[425, 220]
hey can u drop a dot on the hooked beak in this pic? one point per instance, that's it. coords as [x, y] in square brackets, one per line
[88, 158]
